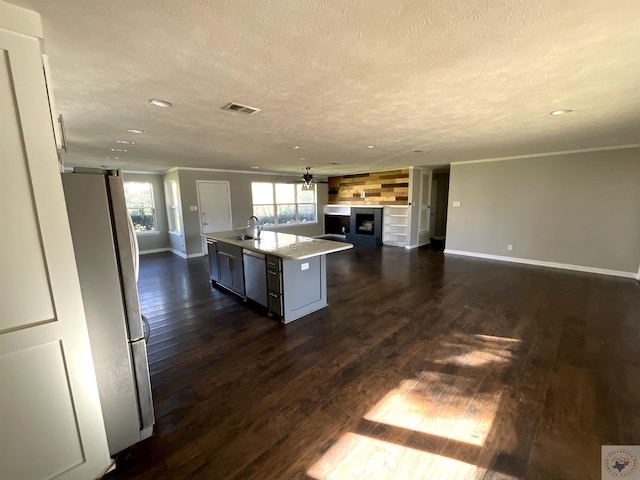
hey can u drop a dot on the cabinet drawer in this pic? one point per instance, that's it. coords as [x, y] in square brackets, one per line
[273, 263]
[275, 303]
[274, 282]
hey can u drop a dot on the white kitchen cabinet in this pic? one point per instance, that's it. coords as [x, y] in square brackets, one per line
[50, 415]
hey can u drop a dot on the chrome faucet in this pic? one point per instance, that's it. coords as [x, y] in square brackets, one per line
[257, 228]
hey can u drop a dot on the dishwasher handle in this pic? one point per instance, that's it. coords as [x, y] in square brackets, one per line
[251, 253]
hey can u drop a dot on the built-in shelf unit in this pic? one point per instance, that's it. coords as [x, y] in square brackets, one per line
[396, 225]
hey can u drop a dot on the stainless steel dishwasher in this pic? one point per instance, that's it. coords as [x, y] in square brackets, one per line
[255, 276]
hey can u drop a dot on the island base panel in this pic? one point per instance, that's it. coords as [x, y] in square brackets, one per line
[304, 287]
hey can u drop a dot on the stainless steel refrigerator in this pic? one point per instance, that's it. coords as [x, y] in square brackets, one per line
[107, 258]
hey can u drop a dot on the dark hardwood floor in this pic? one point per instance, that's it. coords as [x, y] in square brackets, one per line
[423, 366]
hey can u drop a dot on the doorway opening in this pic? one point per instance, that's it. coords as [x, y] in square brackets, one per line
[438, 209]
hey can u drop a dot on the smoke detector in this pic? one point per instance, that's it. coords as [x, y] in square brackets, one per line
[244, 109]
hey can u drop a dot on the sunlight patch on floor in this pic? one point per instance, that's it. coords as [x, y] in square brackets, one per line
[451, 415]
[440, 405]
[480, 350]
[357, 457]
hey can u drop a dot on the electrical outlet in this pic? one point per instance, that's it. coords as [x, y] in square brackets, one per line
[193, 208]
[456, 204]
[509, 247]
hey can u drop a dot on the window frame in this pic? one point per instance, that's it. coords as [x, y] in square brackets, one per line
[152, 207]
[173, 207]
[296, 204]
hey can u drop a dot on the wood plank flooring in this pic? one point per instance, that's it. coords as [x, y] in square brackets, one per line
[423, 366]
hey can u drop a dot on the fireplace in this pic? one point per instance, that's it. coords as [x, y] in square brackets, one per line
[365, 223]
[366, 226]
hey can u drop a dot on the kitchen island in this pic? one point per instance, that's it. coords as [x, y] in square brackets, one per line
[284, 273]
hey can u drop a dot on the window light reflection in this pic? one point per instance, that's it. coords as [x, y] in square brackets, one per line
[438, 404]
[480, 350]
[455, 412]
[358, 457]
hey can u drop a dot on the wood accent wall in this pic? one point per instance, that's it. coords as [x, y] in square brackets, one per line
[390, 187]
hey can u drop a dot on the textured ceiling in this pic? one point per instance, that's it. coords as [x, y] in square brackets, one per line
[455, 80]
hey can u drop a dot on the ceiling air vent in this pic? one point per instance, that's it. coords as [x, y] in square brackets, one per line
[236, 107]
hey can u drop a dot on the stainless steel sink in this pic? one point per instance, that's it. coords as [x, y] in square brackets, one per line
[240, 238]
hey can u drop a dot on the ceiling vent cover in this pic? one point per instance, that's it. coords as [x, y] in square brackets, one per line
[236, 107]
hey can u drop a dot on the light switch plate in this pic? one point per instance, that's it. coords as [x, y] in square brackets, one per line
[456, 204]
[304, 266]
[193, 208]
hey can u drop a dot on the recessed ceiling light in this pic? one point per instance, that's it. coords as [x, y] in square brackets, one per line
[118, 150]
[126, 142]
[107, 158]
[135, 130]
[560, 112]
[255, 167]
[304, 158]
[295, 147]
[160, 103]
[371, 146]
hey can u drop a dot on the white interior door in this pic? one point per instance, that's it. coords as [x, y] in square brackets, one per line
[214, 203]
[50, 417]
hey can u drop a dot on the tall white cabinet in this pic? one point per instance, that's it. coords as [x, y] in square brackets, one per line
[50, 417]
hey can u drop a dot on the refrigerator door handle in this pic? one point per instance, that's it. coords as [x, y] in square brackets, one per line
[143, 383]
[147, 328]
[126, 253]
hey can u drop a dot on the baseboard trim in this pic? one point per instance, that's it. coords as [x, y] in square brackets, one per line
[417, 245]
[155, 250]
[193, 255]
[178, 252]
[540, 263]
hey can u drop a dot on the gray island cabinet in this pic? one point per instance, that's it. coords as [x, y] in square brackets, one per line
[288, 271]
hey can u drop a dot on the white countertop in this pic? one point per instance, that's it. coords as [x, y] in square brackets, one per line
[284, 245]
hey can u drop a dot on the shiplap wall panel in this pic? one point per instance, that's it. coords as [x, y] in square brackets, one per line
[390, 187]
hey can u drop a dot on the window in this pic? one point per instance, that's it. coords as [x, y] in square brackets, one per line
[173, 206]
[283, 203]
[139, 199]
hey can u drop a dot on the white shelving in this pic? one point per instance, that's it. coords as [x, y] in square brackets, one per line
[395, 230]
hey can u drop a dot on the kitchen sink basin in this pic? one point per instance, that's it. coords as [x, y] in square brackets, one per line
[240, 238]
